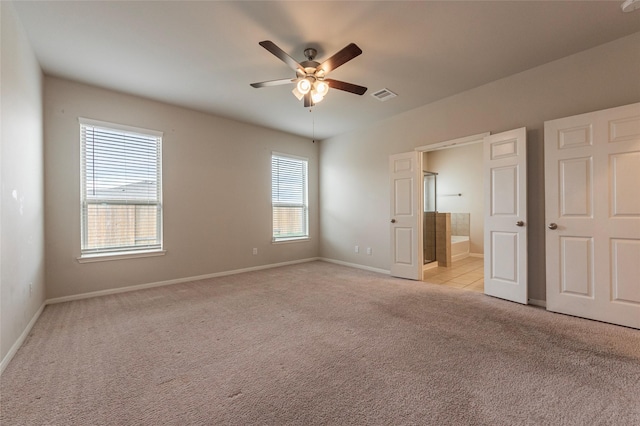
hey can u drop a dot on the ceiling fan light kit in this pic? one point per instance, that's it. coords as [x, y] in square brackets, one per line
[310, 83]
[298, 94]
[304, 85]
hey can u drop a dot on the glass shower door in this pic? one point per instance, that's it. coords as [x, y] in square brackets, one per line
[429, 217]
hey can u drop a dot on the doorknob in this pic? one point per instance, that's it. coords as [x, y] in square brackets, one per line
[553, 226]
[393, 221]
[519, 223]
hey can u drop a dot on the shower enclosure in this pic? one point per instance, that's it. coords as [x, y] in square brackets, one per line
[429, 216]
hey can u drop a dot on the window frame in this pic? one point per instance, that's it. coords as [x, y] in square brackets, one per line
[305, 204]
[125, 252]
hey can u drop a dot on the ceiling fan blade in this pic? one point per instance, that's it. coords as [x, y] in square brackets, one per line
[273, 82]
[347, 87]
[345, 55]
[282, 55]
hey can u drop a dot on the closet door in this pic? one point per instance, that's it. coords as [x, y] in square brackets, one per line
[592, 185]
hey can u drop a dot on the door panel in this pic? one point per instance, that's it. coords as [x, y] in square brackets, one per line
[403, 246]
[592, 176]
[576, 251]
[405, 182]
[577, 187]
[504, 268]
[625, 176]
[403, 199]
[503, 191]
[625, 270]
[505, 254]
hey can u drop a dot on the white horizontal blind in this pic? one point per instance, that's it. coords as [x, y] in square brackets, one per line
[121, 184]
[289, 197]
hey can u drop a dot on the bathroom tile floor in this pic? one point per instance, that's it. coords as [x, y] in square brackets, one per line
[467, 274]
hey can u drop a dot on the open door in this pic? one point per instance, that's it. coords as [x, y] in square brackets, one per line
[592, 181]
[405, 182]
[505, 220]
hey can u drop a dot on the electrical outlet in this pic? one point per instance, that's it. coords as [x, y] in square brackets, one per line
[369, 251]
[255, 251]
[357, 249]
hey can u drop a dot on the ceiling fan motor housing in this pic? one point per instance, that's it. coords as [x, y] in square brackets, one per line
[310, 53]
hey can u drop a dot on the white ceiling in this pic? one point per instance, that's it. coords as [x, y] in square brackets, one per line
[203, 55]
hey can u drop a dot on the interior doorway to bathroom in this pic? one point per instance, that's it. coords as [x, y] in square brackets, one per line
[453, 219]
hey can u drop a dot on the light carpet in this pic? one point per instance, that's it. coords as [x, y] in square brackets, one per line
[318, 343]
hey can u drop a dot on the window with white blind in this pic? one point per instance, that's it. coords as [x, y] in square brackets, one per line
[121, 189]
[289, 197]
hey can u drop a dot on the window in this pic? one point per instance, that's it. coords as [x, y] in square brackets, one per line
[289, 197]
[121, 189]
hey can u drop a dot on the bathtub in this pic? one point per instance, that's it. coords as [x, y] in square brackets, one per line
[459, 247]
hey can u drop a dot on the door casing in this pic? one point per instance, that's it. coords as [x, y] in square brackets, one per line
[505, 291]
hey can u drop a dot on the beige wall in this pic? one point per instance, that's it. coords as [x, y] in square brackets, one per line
[460, 171]
[22, 290]
[354, 178]
[217, 191]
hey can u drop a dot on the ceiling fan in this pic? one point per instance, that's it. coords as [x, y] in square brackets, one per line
[311, 82]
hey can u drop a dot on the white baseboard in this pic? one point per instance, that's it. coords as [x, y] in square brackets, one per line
[16, 345]
[536, 302]
[355, 265]
[170, 282]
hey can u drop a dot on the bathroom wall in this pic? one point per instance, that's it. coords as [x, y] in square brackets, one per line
[460, 171]
[460, 224]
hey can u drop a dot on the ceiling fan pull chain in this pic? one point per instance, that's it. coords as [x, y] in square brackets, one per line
[313, 126]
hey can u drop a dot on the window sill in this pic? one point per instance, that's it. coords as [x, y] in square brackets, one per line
[290, 240]
[104, 257]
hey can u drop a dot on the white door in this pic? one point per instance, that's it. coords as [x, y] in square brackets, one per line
[405, 182]
[592, 205]
[505, 217]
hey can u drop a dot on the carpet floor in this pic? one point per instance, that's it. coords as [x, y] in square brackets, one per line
[317, 343]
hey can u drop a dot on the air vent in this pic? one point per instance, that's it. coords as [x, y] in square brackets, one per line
[383, 95]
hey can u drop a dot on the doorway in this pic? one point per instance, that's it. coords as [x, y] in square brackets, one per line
[505, 213]
[453, 237]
